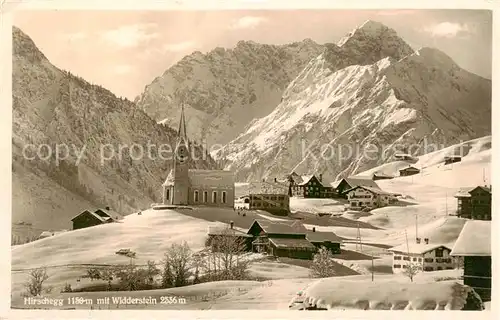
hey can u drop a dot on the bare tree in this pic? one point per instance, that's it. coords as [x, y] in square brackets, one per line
[152, 271]
[224, 260]
[411, 270]
[176, 264]
[34, 285]
[323, 265]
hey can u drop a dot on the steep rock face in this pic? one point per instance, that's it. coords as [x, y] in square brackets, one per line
[225, 89]
[342, 115]
[54, 109]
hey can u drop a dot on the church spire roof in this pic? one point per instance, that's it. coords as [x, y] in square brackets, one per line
[181, 133]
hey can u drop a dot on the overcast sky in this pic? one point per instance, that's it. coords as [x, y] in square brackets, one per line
[124, 51]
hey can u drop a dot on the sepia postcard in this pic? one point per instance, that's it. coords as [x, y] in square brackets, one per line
[203, 157]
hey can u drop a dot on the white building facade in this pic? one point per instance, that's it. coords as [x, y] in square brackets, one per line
[365, 197]
[428, 257]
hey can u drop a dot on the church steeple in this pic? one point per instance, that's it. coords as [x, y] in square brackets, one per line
[181, 133]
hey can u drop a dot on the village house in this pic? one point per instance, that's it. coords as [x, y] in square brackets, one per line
[184, 186]
[409, 171]
[310, 186]
[281, 239]
[348, 183]
[269, 196]
[87, 219]
[452, 159]
[429, 257]
[474, 247]
[474, 203]
[361, 197]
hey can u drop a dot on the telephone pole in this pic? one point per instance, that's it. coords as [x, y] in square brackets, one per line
[358, 240]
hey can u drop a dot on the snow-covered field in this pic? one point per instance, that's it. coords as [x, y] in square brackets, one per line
[151, 233]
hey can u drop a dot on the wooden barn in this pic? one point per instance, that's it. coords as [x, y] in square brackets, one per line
[236, 236]
[328, 240]
[281, 239]
[474, 247]
[87, 219]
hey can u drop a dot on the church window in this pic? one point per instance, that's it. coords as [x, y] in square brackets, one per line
[168, 194]
[205, 196]
[223, 196]
[214, 197]
[196, 196]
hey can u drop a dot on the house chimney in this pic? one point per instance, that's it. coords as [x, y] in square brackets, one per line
[320, 177]
[107, 208]
[231, 224]
[426, 240]
[314, 229]
[418, 240]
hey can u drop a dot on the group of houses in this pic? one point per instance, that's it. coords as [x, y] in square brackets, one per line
[288, 239]
[473, 245]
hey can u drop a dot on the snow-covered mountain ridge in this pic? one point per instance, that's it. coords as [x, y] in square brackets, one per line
[224, 89]
[372, 90]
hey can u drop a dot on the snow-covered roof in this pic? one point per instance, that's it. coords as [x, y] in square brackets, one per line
[474, 239]
[377, 191]
[100, 218]
[215, 178]
[227, 232]
[170, 179]
[267, 188]
[359, 181]
[318, 236]
[409, 168]
[281, 227]
[463, 193]
[201, 177]
[417, 248]
[291, 243]
[305, 179]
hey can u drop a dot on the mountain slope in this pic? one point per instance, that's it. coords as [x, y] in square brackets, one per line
[51, 108]
[226, 88]
[369, 91]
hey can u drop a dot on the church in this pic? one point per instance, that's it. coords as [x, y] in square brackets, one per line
[195, 187]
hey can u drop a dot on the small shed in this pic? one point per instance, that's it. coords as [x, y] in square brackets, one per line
[452, 159]
[409, 171]
[87, 219]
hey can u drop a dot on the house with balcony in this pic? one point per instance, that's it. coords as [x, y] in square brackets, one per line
[310, 186]
[474, 203]
[269, 196]
[428, 256]
[362, 197]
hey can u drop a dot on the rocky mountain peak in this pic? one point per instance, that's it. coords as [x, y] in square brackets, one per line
[23, 46]
[370, 42]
